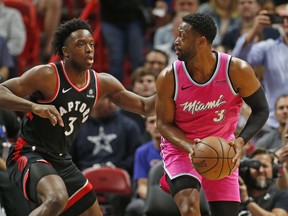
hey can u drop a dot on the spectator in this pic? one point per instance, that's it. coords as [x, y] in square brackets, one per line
[165, 34]
[247, 10]
[50, 12]
[11, 198]
[107, 138]
[123, 31]
[272, 54]
[144, 84]
[169, 46]
[257, 190]
[146, 156]
[14, 32]
[6, 61]
[272, 138]
[155, 60]
[224, 14]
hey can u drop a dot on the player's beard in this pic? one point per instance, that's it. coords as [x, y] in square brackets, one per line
[262, 184]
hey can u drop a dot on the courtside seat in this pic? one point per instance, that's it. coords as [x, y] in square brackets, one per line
[107, 180]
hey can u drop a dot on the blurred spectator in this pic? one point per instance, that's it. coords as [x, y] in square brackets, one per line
[268, 5]
[11, 198]
[224, 14]
[272, 54]
[247, 10]
[12, 29]
[155, 60]
[146, 156]
[108, 138]
[257, 188]
[169, 46]
[273, 138]
[123, 32]
[166, 34]
[144, 84]
[6, 61]
[50, 11]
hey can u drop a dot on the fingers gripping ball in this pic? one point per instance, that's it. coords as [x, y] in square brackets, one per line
[212, 158]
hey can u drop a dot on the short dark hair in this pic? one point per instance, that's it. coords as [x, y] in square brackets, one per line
[139, 72]
[65, 30]
[203, 24]
[263, 151]
[160, 52]
[278, 98]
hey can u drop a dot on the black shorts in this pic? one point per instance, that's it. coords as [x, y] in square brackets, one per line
[19, 161]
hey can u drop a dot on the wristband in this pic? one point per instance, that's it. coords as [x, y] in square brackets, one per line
[247, 202]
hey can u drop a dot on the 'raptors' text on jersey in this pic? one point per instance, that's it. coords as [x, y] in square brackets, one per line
[74, 105]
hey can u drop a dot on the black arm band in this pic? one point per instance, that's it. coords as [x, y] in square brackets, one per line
[260, 112]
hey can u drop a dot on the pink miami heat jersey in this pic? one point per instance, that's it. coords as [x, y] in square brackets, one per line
[206, 109]
[201, 110]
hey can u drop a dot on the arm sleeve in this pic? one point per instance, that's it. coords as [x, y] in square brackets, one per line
[259, 115]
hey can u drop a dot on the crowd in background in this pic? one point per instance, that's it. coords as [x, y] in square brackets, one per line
[138, 37]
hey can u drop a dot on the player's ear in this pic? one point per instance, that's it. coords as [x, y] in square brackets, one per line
[201, 41]
[65, 52]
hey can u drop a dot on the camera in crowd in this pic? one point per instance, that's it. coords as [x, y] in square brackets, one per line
[244, 167]
[276, 18]
[246, 164]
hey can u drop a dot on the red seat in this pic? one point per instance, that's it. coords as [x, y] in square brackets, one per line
[30, 55]
[107, 180]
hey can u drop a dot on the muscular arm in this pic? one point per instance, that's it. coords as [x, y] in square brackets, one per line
[111, 87]
[165, 108]
[248, 86]
[38, 79]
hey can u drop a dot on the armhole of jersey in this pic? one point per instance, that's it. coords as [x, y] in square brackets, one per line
[56, 91]
[97, 86]
[174, 69]
[229, 59]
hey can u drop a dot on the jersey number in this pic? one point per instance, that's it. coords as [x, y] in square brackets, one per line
[71, 126]
[220, 114]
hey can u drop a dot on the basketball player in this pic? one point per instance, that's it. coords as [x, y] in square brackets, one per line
[201, 96]
[63, 94]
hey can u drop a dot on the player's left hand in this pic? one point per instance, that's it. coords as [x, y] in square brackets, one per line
[238, 147]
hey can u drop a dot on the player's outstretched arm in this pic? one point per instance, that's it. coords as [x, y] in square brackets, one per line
[112, 88]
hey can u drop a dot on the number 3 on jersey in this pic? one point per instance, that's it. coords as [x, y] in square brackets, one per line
[71, 126]
[220, 115]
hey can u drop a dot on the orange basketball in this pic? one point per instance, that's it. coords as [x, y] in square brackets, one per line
[213, 158]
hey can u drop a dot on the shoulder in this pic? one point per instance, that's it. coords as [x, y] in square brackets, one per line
[239, 65]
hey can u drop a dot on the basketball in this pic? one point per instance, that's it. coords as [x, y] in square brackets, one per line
[212, 158]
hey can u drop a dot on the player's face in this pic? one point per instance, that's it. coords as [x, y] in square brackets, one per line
[79, 48]
[185, 42]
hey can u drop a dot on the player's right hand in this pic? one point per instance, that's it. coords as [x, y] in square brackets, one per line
[48, 111]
